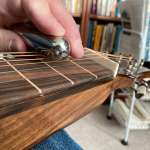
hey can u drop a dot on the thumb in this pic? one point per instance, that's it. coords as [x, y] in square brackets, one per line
[10, 41]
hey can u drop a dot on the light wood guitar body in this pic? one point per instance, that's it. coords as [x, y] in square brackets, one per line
[27, 125]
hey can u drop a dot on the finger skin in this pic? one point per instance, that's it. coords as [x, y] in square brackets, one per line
[71, 30]
[36, 11]
[10, 41]
[16, 11]
[40, 14]
[50, 17]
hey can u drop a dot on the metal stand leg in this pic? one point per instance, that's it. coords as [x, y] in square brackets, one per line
[109, 116]
[125, 140]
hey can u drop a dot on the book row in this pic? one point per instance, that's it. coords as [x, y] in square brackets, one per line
[73, 6]
[105, 8]
[105, 38]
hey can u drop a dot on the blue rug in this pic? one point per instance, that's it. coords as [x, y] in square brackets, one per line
[58, 141]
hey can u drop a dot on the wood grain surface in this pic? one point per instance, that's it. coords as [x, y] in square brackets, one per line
[55, 79]
[23, 130]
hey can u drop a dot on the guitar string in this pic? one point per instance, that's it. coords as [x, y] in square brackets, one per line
[36, 69]
[44, 67]
[39, 90]
[110, 56]
[86, 51]
[59, 60]
[72, 82]
[24, 70]
[24, 77]
[46, 62]
[3, 72]
[26, 52]
[99, 53]
[34, 59]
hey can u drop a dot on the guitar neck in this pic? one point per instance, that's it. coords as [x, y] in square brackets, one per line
[29, 79]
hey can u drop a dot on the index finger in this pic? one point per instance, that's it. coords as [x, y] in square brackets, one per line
[68, 23]
[39, 13]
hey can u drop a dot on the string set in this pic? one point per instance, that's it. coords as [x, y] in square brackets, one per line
[86, 56]
[14, 59]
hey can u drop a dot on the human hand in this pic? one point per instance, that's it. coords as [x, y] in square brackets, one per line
[48, 16]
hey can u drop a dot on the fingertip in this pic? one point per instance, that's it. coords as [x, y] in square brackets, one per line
[77, 50]
[10, 41]
[20, 45]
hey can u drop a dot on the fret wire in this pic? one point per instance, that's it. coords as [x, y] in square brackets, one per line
[48, 66]
[84, 69]
[23, 76]
[61, 74]
[31, 70]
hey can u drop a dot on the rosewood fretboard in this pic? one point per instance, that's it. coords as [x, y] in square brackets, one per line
[28, 79]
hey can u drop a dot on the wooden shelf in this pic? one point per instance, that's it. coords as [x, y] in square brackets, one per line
[76, 15]
[105, 18]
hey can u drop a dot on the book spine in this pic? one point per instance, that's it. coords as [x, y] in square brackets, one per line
[79, 3]
[94, 6]
[104, 7]
[97, 38]
[104, 37]
[113, 9]
[117, 12]
[90, 34]
[147, 49]
[108, 7]
[119, 30]
[94, 31]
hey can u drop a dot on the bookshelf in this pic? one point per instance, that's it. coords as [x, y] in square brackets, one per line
[85, 16]
[76, 15]
[103, 21]
[80, 16]
[105, 18]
